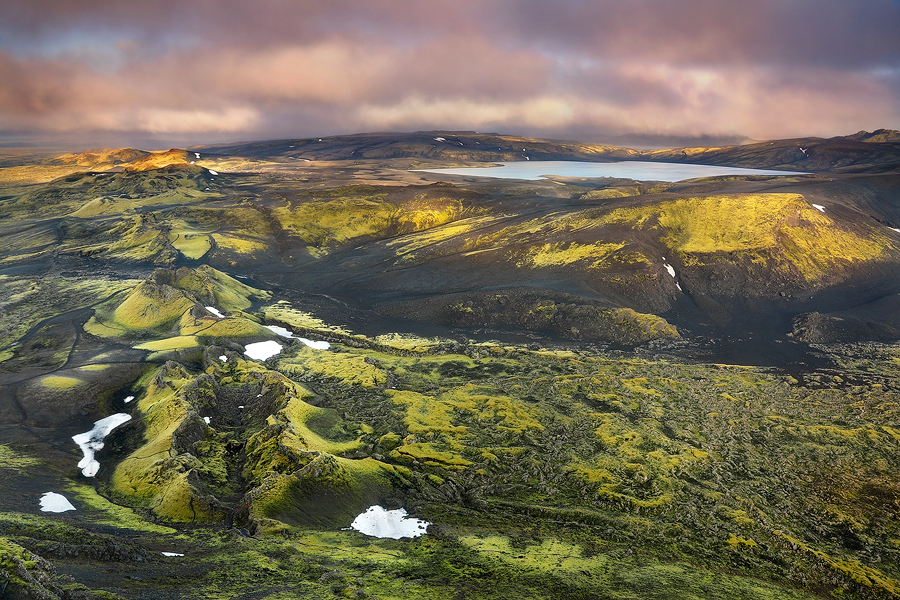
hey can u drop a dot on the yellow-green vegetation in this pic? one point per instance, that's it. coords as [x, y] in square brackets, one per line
[15, 461]
[283, 312]
[294, 473]
[343, 365]
[782, 230]
[185, 468]
[25, 301]
[173, 343]
[236, 325]
[151, 305]
[407, 343]
[619, 191]
[10, 176]
[649, 447]
[239, 244]
[546, 472]
[192, 242]
[406, 246]
[549, 473]
[96, 367]
[57, 382]
[645, 326]
[209, 284]
[560, 254]
[113, 515]
[172, 302]
[440, 418]
[150, 476]
[338, 215]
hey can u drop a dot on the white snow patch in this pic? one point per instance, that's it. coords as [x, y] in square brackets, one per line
[192, 162]
[57, 503]
[206, 190]
[679, 287]
[92, 441]
[819, 207]
[895, 229]
[223, 358]
[394, 524]
[240, 406]
[211, 172]
[128, 399]
[262, 350]
[314, 344]
[215, 311]
[439, 139]
[206, 419]
[526, 158]
[196, 155]
[171, 553]
[670, 269]
[283, 332]
[287, 333]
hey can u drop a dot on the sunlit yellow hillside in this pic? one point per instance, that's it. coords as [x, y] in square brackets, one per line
[158, 160]
[782, 231]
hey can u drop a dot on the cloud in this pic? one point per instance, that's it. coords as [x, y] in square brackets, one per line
[774, 68]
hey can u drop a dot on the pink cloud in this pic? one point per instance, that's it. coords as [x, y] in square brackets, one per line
[766, 69]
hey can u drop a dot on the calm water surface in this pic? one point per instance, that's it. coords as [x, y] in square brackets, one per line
[632, 169]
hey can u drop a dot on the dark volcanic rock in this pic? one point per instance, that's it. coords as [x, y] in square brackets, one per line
[816, 328]
[559, 314]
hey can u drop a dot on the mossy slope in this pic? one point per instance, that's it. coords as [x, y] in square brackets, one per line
[171, 304]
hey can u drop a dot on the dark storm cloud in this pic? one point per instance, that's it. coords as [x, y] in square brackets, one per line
[773, 32]
[211, 68]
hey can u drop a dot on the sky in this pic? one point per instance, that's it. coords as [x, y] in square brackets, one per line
[201, 71]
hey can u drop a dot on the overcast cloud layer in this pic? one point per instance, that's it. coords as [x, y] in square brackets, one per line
[209, 70]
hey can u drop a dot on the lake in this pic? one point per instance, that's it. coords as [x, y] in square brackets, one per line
[632, 169]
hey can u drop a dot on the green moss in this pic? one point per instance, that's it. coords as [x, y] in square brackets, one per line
[173, 343]
[407, 343]
[151, 305]
[26, 301]
[779, 228]
[560, 254]
[94, 368]
[111, 514]
[283, 312]
[15, 461]
[350, 368]
[236, 326]
[646, 326]
[57, 382]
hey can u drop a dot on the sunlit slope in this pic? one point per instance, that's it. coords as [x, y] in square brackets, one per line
[648, 254]
[168, 311]
[326, 219]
